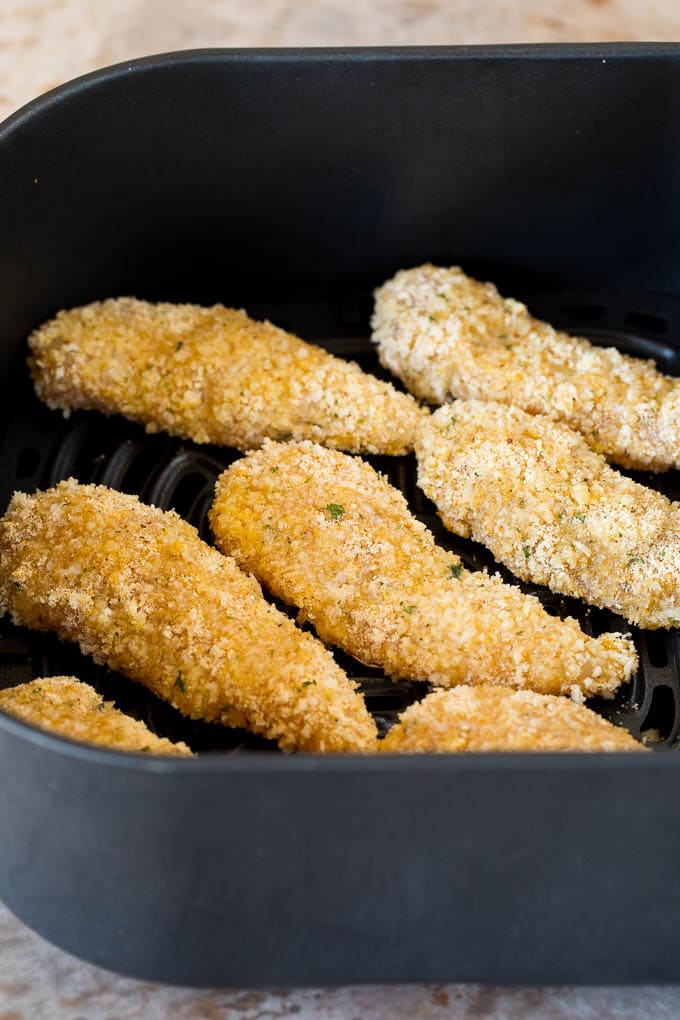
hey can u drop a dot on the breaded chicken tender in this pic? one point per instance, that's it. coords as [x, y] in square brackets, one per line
[215, 376]
[552, 510]
[70, 708]
[496, 719]
[327, 533]
[446, 335]
[138, 590]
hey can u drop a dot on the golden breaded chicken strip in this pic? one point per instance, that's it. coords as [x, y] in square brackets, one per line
[70, 708]
[552, 510]
[496, 719]
[327, 533]
[446, 335]
[215, 376]
[138, 590]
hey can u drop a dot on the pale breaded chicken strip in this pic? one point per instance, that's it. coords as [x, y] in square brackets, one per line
[70, 708]
[552, 510]
[215, 376]
[446, 335]
[496, 719]
[138, 590]
[327, 533]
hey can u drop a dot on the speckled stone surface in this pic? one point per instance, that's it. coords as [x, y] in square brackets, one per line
[38, 982]
[44, 42]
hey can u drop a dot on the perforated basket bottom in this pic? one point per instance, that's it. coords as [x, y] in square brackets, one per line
[38, 448]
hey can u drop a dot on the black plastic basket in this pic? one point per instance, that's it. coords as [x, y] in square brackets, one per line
[292, 183]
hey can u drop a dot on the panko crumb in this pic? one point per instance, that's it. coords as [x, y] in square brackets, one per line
[326, 533]
[70, 708]
[552, 510]
[496, 719]
[214, 375]
[137, 589]
[447, 335]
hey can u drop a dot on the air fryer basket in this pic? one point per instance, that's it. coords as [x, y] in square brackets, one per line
[39, 449]
[291, 184]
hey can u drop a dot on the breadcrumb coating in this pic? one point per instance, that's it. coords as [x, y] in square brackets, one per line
[70, 708]
[138, 590]
[327, 533]
[446, 335]
[552, 510]
[215, 376]
[496, 719]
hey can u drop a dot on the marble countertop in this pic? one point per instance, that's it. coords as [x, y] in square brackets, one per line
[45, 42]
[39, 982]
